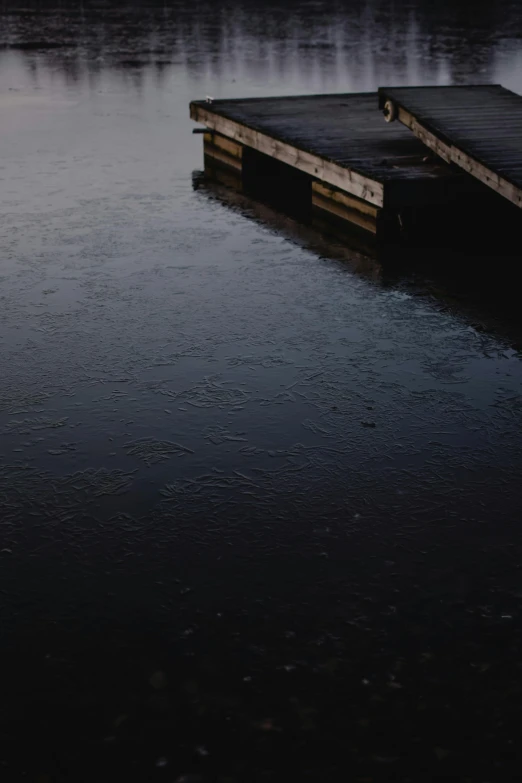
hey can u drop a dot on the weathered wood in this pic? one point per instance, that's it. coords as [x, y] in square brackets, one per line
[332, 156]
[487, 176]
[427, 138]
[478, 128]
[345, 207]
[340, 141]
[213, 151]
[353, 216]
[225, 144]
[342, 231]
[344, 200]
[324, 170]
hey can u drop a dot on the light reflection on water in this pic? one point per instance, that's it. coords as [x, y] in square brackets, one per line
[202, 417]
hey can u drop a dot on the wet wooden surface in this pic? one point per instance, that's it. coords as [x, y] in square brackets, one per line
[346, 130]
[477, 127]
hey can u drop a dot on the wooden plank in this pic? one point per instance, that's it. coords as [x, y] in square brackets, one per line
[487, 176]
[344, 199]
[349, 234]
[368, 222]
[327, 171]
[427, 138]
[477, 128]
[223, 157]
[227, 145]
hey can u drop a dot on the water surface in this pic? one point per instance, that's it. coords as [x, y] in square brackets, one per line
[260, 513]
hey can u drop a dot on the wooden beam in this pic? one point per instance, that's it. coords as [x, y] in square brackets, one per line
[227, 145]
[319, 168]
[218, 154]
[339, 210]
[429, 139]
[344, 199]
[347, 233]
[451, 154]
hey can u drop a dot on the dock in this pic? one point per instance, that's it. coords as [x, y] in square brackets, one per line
[476, 127]
[358, 168]
[335, 159]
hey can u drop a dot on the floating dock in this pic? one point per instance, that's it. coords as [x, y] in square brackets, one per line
[335, 158]
[476, 127]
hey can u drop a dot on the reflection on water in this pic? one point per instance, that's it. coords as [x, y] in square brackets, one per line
[352, 47]
[260, 510]
[466, 281]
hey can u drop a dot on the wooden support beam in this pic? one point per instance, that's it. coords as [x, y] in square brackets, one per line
[345, 207]
[227, 145]
[219, 152]
[345, 200]
[429, 139]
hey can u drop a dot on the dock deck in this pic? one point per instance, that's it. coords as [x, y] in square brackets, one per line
[340, 141]
[478, 128]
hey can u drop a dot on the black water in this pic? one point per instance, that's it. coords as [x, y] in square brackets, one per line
[260, 513]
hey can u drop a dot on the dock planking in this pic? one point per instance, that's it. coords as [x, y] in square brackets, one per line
[341, 142]
[476, 127]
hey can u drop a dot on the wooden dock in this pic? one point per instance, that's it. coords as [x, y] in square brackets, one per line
[478, 128]
[360, 169]
[335, 158]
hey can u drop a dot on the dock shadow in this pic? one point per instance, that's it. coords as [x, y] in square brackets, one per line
[473, 282]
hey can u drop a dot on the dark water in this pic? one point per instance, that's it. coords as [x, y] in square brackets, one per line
[260, 513]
